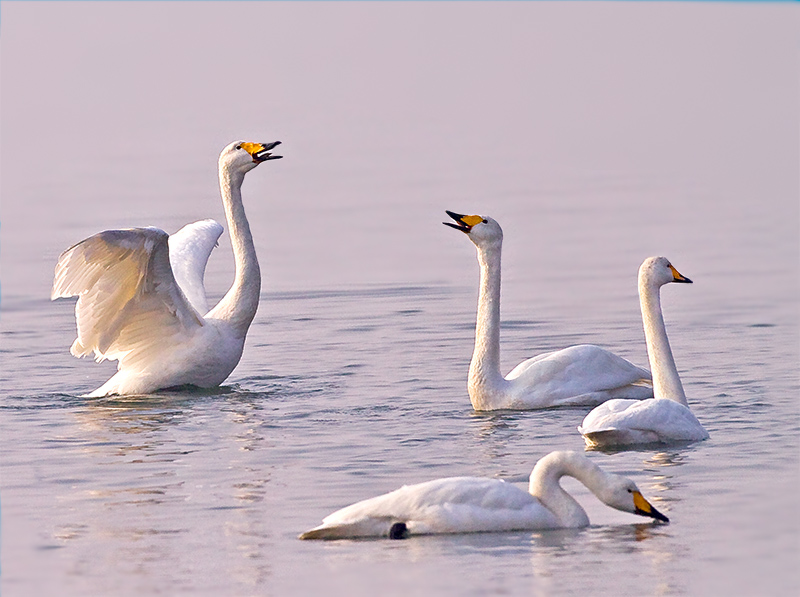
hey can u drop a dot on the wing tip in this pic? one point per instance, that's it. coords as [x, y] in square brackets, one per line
[318, 533]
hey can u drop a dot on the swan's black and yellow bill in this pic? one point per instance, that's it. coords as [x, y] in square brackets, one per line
[463, 223]
[260, 151]
[678, 277]
[644, 508]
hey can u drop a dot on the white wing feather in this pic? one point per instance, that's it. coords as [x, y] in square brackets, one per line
[189, 250]
[628, 422]
[575, 374]
[129, 305]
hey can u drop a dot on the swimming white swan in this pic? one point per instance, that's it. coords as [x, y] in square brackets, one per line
[141, 298]
[474, 504]
[578, 375]
[665, 418]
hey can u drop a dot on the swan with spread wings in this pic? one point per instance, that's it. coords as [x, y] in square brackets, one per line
[141, 299]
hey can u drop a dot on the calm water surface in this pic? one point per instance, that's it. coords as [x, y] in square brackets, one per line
[353, 377]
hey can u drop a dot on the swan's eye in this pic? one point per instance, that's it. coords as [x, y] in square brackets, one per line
[484, 221]
[630, 490]
[238, 147]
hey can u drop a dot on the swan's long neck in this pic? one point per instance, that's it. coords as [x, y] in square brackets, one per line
[544, 484]
[666, 381]
[239, 305]
[485, 378]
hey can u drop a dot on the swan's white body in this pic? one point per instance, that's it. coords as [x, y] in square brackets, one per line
[141, 298]
[578, 375]
[472, 504]
[666, 417]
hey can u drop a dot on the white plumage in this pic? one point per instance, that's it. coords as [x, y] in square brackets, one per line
[141, 298]
[189, 250]
[578, 375]
[666, 417]
[472, 504]
[628, 422]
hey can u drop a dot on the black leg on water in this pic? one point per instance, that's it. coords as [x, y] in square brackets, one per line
[399, 530]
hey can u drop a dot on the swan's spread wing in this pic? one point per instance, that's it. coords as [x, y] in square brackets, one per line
[626, 422]
[580, 371]
[189, 250]
[453, 505]
[128, 304]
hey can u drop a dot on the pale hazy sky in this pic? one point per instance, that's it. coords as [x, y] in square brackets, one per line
[391, 112]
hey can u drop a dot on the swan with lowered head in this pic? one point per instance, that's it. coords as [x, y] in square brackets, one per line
[666, 417]
[578, 375]
[141, 299]
[474, 504]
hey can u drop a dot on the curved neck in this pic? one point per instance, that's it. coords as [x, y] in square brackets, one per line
[544, 484]
[666, 381]
[484, 370]
[239, 305]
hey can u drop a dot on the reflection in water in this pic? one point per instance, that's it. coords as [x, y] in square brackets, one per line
[662, 486]
[663, 459]
[601, 546]
[492, 431]
[188, 451]
[625, 538]
[510, 442]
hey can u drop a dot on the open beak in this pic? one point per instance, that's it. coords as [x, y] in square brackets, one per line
[260, 151]
[463, 223]
[678, 277]
[644, 508]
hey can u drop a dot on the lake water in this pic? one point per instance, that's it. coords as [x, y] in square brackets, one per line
[596, 134]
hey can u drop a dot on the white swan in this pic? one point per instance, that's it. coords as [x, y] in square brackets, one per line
[665, 418]
[578, 375]
[141, 298]
[473, 504]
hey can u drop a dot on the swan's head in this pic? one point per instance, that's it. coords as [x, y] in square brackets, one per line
[242, 156]
[659, 271]
[621, 493]
[482, 230]
[613, 490]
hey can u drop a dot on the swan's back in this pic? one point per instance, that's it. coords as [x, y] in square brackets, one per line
[627, 422]
[189, 250]
[582, 374]
[452, 505]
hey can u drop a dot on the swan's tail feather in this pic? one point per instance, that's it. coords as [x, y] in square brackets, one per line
[339, 532]
[607, 438]
[371, 527]
[313, 534]
[595, 439]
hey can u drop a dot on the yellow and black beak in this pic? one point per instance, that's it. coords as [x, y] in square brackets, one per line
[678, 277]
[644, 508]
[463, 223]
[260, 151]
